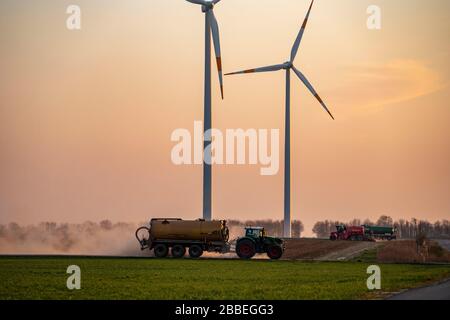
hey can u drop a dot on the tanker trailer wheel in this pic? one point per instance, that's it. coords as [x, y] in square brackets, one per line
[178, 251]
[245, 249]
[161, 250]
[195, 251]
[274, 252]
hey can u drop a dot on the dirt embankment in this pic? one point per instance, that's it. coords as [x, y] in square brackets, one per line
[324, 250]
[407, 251]
[398, 251]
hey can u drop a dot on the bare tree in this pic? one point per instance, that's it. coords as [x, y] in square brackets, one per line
[385, 221]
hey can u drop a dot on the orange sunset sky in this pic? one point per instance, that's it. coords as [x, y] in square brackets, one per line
[86, 116]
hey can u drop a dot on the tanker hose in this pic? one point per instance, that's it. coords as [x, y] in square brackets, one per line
[143, 237]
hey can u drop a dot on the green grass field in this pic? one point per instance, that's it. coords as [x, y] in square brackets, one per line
[137, 278]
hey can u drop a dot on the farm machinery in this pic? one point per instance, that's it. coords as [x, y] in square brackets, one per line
[256, 241]
[363, 233]
[176, 236]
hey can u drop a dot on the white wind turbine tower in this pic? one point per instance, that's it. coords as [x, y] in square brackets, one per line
[288, 66]
[211, 26]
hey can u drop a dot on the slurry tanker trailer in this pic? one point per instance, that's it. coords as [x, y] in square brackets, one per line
[176, 236]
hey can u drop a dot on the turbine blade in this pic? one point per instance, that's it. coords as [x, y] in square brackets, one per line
[201, 2]
[310, 88]
[216, 40]
[262, 69]
[300, 34]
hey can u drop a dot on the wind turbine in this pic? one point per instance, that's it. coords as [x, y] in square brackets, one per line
[211, 26]
[288, 66]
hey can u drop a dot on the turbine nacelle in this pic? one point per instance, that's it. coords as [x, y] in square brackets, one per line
[206, 4]
[287, 65]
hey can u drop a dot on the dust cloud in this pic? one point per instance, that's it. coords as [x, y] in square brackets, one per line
[88, 238]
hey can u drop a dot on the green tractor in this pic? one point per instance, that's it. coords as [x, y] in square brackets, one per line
[256, 241]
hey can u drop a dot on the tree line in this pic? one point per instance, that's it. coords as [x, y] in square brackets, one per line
[405, 229]
[65, 233]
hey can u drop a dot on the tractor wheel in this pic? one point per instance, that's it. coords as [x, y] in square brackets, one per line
[178, 251]
[274, 252]
[161, 250]
[195, 251]
[245, 249]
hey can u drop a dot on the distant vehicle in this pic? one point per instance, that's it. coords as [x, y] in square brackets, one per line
[176, 236]
[363, 233]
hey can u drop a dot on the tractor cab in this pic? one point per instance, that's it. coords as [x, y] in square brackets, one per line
[255, 232]
[341, 228]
